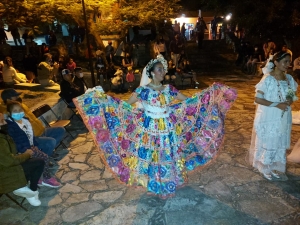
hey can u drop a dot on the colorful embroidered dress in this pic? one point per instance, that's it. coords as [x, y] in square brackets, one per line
[156, 146]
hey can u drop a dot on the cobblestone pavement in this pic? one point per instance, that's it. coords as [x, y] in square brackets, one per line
[228, 191]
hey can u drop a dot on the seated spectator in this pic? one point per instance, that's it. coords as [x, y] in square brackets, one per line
[71, 65]
[268, 45]
[285, 49]
[46, 71]
[79, 74]
[20, 129]
[10, 75]
[47, 138]
[70, 87]
[170, 76]
[17, 169]
[127, 62]
[254, 58]
[296, 68]
[118, 80]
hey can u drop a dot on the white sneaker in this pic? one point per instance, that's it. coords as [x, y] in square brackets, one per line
[25, 192]
[34, 201]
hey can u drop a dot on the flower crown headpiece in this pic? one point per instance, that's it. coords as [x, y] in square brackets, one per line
[160, 59]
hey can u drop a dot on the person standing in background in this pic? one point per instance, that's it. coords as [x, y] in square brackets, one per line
[200, 28]
[176, 47]
[214, 27]
[15, 34]
[109, 52]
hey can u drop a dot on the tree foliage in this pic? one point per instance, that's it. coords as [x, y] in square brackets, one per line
[106, 16]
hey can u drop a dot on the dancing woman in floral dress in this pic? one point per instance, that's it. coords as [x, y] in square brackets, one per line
[272, 124]
[154, 146]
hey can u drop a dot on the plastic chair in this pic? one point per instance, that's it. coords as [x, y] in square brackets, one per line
[72, 108]
[40, 111]
[15, 201]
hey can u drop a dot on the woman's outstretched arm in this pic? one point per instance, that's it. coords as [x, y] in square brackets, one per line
[133, 99]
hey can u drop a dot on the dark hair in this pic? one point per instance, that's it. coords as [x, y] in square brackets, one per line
[152, 68]
[280, 55]
[11, 104]
[8, 61]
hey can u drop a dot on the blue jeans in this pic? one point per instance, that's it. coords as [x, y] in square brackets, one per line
[50, 139]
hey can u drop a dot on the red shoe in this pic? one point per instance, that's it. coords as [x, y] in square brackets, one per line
[40, 182]
[52, 182]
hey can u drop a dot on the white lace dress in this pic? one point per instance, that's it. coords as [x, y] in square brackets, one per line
[272, 129]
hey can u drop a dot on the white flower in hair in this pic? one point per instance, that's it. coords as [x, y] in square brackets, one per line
[160, 59]
[269, 65]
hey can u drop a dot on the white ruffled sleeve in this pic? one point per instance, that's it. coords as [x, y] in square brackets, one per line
[263, 84]
[292, 82]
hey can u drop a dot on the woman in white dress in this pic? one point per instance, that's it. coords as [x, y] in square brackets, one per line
[272, 123]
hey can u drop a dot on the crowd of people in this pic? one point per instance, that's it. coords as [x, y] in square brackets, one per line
[252, 57]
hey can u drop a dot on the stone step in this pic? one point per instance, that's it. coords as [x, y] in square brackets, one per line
[55, 88]
[28, 86]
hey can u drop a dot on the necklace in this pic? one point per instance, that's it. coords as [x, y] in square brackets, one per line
[281, 98]
[155, 86]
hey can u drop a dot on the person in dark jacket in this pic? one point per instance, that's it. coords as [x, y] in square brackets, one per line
[20, 129]
[70, 87]
[17, 169]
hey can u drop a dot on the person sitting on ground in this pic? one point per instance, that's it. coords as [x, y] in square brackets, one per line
[10, 75]
[71, 65]
[187, 72]
[170, 76]
[46, 71]
[17, 169]
[47, 138]
[254, 58]
[20, 129]
[118, 80]
[70, 87]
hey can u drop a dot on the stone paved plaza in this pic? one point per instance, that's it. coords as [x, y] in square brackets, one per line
[226, 192]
